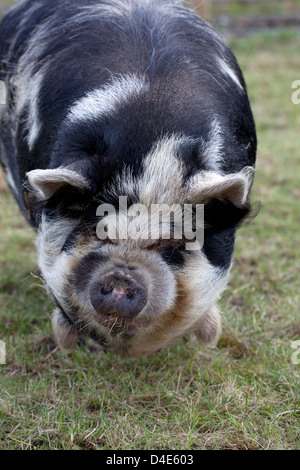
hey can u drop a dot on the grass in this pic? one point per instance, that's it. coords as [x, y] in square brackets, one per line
[253, 7]
[242, 395]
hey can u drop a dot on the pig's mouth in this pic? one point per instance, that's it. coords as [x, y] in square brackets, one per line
[117, 324]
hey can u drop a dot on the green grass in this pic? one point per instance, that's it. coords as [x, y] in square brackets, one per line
[253, 7]
[242, 395]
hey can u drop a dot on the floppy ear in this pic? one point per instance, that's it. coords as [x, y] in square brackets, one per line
[46, 183]
[234, 187]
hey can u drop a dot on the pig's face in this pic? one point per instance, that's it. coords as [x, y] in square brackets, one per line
[135, 294]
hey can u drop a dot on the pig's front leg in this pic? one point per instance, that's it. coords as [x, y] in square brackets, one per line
[209, 328]
[65, 333]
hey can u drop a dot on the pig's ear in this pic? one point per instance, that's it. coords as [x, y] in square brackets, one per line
[45, 183]
[234, 187]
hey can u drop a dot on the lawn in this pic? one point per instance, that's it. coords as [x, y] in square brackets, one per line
[244, 394]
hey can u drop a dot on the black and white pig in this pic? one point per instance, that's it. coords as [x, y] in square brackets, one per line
[134, 99]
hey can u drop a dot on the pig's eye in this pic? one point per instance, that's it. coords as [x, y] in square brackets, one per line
[172, 255]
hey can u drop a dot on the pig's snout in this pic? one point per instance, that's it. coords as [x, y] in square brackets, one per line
[117, 292]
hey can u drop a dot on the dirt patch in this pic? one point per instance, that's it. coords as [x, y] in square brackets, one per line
[237, 349]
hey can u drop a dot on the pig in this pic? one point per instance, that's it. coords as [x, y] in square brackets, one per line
[118, 104]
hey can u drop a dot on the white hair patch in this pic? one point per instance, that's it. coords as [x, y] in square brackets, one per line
[29, 96]
[228, 71]
[162, 180]
[53, 264]
[212, 149]
[106, 100]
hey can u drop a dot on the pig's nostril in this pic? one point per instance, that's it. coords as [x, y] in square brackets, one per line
[106, 290]
[130, 294]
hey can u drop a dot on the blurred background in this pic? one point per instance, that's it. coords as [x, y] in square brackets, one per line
[238, 16]
[245, 16]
